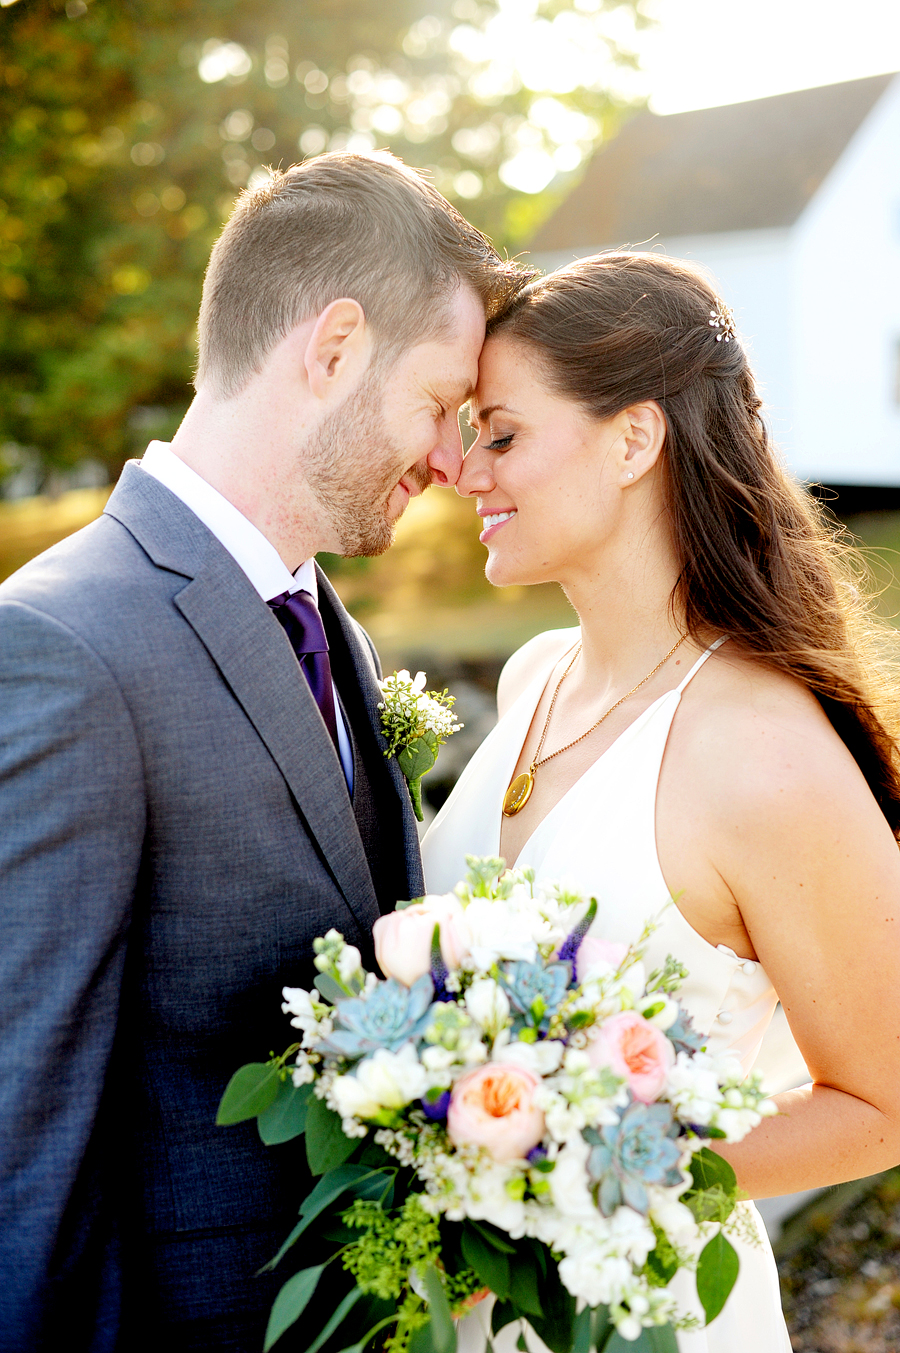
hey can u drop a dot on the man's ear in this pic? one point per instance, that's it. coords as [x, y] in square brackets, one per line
[338, 350]
[643, 439]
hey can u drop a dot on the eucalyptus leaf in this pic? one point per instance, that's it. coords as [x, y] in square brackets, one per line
[491, 1265]
[717, 1270]
[326, 1145]
[285, 1118]
[416, 759]
[709, 1169]
[329, 988]
[250, 1091]
[443, 1328]
[498, 1239]
[653, 1339]
[524, 1286]
[291, 1302]
[346, 1306]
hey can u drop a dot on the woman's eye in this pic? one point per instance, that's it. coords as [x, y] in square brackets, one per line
[499, 443]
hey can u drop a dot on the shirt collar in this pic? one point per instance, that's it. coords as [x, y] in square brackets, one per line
[246, 544]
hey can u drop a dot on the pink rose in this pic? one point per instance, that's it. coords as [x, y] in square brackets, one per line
[635, 1049]
[494, 1107]
[593, 951]
[403, 938]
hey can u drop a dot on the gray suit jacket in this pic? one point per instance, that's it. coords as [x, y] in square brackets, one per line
[175, 829]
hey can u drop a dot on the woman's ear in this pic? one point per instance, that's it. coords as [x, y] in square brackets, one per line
[338, 350]
[643, 438]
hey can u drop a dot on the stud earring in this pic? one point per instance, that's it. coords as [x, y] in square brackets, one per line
[629, 475]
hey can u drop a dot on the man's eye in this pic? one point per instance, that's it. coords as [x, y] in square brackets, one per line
[499, 443]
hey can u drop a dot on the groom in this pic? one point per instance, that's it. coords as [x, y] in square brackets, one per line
[191, 784]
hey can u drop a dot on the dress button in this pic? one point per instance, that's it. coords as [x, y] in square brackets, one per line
[725, 1017]
[749, 968]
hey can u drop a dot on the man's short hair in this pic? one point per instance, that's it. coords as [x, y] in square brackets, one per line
[365, 227]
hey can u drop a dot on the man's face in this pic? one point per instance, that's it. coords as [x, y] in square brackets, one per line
[397, 433]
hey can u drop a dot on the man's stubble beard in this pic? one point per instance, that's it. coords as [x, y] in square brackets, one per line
[353, 465]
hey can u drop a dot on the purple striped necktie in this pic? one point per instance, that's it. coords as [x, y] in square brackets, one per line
[299, 617]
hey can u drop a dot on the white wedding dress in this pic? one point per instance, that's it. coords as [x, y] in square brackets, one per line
[601, 836]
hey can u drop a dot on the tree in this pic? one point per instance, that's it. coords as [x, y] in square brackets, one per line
[127, 127]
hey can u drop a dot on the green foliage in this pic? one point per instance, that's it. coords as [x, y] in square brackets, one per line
[717, 1271]
[654, 1339]
[291, 1302]
[251, 1090]
[285, 1117]
[714, 1191]
[118, 164]
[326, 1145]
[662, 1261]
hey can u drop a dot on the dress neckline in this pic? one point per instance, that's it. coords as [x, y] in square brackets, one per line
[539, 685]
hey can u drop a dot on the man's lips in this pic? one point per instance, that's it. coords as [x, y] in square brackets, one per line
[493, 522]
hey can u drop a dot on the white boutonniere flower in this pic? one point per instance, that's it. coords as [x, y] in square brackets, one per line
[415, 723]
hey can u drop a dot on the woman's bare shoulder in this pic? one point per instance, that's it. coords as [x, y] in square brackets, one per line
[539, 654]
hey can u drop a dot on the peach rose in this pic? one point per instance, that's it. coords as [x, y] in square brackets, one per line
[403, 938]
[592, 951]
[494, 1107]
[635, 1049]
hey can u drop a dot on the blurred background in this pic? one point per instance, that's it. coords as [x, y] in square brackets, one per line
[760, 138]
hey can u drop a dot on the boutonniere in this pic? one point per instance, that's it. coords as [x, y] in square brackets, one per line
[415, 723]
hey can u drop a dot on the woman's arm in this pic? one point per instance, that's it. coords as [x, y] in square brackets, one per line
[807, 857]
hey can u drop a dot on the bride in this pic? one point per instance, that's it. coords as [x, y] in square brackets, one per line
[715, 730]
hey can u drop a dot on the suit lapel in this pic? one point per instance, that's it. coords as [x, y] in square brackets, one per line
[364, 665]
[255, 658]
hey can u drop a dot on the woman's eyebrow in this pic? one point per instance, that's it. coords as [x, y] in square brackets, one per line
[484, 414]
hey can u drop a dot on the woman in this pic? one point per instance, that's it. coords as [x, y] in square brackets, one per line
[715, 731]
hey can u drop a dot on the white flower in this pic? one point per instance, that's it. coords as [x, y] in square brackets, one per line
[386, 1080]
[498, 931]
[349, 964]
[673, 1217]
[543, 1058]
[303, 1071]
[596, 1276]
[488, 1199]
[488, 1004]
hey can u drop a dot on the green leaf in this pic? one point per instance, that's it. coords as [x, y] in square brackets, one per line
[491, 1265]
[359, 1181]
[291, 1302]
[329, 988]
[600, 1326]
[503, 1314]
[717, 1271]
[556, 1323]
[285, 1118]
[524, 1285]
[653, 1339]
[582, 1341]
[498, 1239]
[709, 1169]
[416, 759]
[442, 1326]
[249, 1093]
[326, 1145]
[324, 1335]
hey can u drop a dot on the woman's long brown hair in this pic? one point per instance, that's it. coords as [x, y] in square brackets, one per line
[759, 560]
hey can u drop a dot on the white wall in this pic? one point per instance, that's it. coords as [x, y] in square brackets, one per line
[845, 311]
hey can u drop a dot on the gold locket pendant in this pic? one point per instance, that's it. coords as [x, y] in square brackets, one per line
[518, 794]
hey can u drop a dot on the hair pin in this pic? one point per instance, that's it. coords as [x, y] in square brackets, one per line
[722, 318]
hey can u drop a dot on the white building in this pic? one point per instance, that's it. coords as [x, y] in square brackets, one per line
[793, 204]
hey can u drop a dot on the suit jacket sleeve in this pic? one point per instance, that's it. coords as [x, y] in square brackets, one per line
[72, 816]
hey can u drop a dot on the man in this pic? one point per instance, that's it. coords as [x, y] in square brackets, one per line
[184, 807]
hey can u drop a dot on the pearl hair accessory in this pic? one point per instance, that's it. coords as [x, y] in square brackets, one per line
[722, 319]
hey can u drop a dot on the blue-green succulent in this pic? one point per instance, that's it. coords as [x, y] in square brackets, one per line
[627, 1156]
[535, 992]
[389, 1016]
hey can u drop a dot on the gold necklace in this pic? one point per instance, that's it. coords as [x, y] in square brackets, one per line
[519, 791]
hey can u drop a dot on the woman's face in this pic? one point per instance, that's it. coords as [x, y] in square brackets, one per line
[540, 471]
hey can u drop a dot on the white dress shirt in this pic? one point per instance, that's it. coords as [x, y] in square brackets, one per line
[246, 544]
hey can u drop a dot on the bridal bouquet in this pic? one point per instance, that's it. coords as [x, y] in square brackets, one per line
[516, 1108]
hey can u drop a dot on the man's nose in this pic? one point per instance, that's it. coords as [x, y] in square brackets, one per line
[475, 477]
[445, 461]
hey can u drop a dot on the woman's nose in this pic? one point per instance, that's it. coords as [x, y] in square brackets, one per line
[476, 475]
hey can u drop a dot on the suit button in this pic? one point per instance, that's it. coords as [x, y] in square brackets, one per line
[725, 1017]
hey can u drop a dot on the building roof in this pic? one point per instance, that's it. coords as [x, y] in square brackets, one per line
[744, 166]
